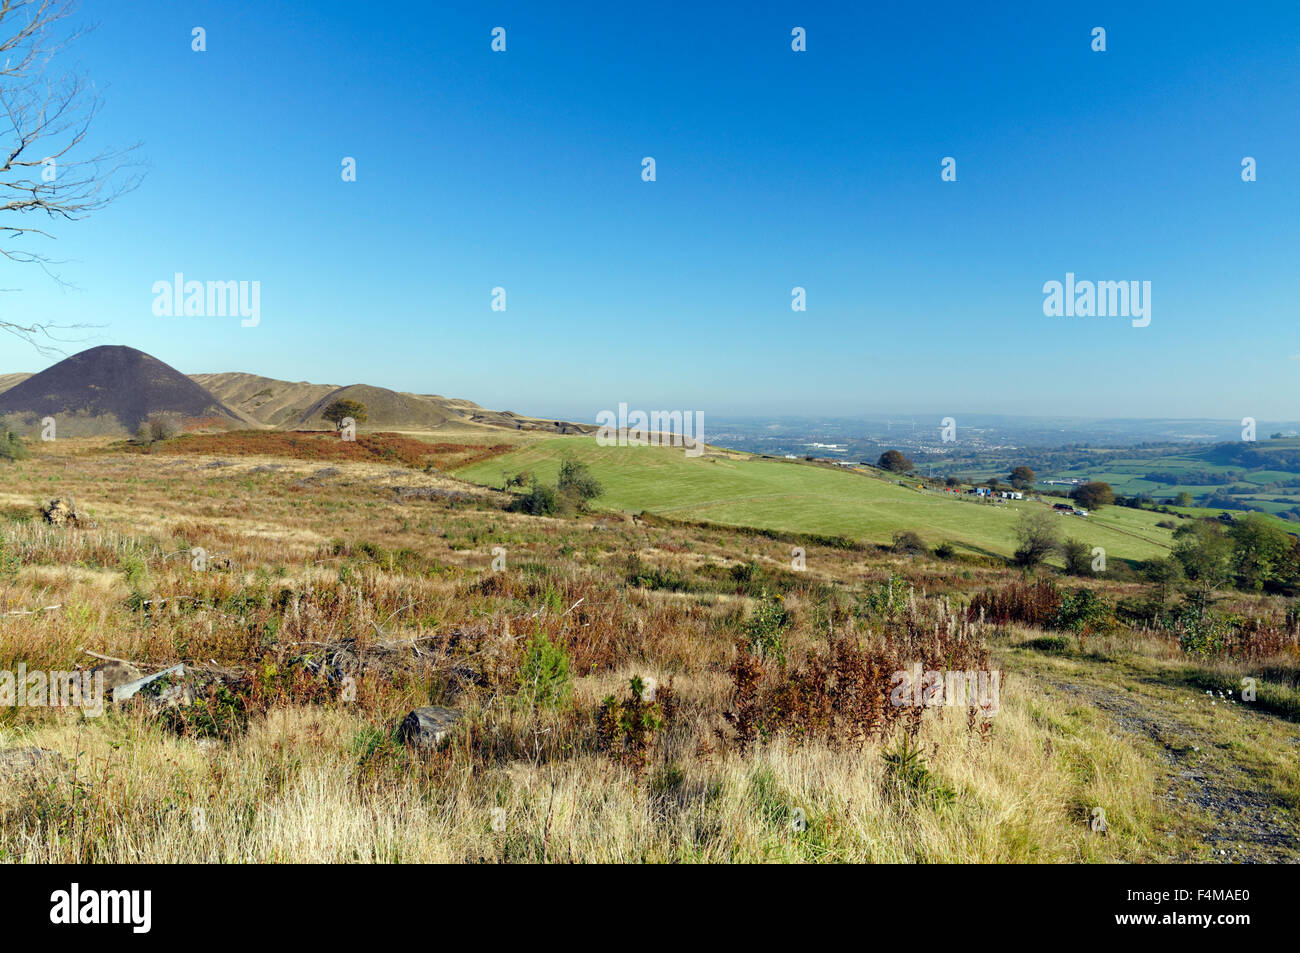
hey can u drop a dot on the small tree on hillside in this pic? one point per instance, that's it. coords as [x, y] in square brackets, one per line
[574, 489]
[908, 543]
[1038, 534]
[1077, 556]
[161, 427]
[1260, 552]
[1204, 551]
[577, 483]
[340, 410]
[1093, 496]
[895, 462]
[1022, 478]
[1165, 573]
[11, 444]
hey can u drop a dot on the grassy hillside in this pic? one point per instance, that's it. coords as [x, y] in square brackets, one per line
[743, 490]
[264, 399]
[337, 599]
[8, 381]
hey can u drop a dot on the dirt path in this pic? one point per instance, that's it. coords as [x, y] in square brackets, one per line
[1247, 823]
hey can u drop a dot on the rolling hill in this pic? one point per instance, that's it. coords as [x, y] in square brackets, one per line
[298, 406]
[268, 401]
[8, 381]
[110, 391]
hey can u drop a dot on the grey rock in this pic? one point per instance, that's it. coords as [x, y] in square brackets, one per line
[19, 764]
[116, 673]
[427, 727]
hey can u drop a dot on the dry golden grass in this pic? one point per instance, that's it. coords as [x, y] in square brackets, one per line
[294, 789]
[302, 558]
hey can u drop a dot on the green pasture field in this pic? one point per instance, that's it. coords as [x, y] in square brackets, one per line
[746, 490]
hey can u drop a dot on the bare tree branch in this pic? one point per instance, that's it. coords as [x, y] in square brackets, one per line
[45, 175]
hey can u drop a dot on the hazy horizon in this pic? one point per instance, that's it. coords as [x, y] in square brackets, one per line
[560, 411]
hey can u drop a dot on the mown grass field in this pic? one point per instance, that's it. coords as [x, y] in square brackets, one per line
[744, 490]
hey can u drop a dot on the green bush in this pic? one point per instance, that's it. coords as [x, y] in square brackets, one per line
[135, 570]
[577, 484]
[1051, 644]
[10, 562]
[1163, 572]
[654, 577]
[1200, 631]
[544, 673]
[626, 728]
[908, 543]
[1077, 556]
[887, 598]
[912, 778]
[219, 713]
[573, 491]
[538, 501]
[11, 445]
[766, 628]
[1082, 611]
[749, 578]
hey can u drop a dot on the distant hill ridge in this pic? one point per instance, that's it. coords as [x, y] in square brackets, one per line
[110, 390]
[298, 406]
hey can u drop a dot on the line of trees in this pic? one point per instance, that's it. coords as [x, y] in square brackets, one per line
[1250, 553]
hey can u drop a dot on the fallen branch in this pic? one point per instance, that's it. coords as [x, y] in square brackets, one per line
[107, 658]
[34, 611]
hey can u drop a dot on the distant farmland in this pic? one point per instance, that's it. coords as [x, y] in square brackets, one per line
[743, 490]
[1253, 475]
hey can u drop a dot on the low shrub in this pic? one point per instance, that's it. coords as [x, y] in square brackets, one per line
[626, 727]
[767, 626]
[907, 543]
[544, 679]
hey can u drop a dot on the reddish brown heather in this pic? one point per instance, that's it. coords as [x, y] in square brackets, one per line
[326, 445]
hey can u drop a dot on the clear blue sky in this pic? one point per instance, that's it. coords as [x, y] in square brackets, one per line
[775, 169]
